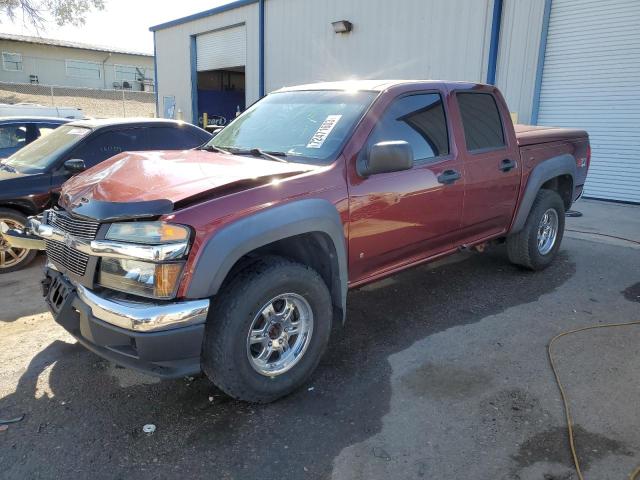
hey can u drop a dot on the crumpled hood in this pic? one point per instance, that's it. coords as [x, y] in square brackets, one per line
[171, 175]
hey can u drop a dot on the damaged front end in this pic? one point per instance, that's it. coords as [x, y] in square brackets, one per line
[111, 281]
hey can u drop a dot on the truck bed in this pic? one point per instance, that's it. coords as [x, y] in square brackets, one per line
[532, 134]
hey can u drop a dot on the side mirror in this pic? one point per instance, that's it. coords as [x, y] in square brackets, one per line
[384, 157]
[75, 165]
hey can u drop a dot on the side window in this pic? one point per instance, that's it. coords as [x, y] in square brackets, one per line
[167, 138]
[13, 135]
[417, 119]
[481, 121]
[105, 145]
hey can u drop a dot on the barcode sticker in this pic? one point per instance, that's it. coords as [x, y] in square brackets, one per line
[323, 131]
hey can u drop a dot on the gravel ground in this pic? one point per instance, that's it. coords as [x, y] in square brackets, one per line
[93, 102]
[440, 372]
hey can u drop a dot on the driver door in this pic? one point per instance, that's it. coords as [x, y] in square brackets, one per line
[402, 217]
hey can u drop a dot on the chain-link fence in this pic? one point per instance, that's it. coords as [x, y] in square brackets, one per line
[94, 102]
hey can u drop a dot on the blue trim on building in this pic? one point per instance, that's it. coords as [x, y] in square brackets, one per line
[155, 75]
[535, 108]
[194, 80]
[261, 48]
[496, 22]
[206, 13]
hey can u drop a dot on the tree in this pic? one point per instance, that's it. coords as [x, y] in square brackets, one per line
[38, 12]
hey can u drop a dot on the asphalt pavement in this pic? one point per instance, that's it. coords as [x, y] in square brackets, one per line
[440, 372]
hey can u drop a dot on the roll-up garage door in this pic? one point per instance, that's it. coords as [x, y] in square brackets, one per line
[222, 49]
[591, 80]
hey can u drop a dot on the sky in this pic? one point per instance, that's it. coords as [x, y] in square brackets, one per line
[123, 23]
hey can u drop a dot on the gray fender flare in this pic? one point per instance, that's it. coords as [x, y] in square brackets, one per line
[553, 167]
[237, 239]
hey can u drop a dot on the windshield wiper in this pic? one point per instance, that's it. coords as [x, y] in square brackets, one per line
[213, 148]
[8, 168]
[256, 152]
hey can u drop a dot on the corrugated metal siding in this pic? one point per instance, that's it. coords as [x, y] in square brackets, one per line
[591, 80]
[446, 39]
[518, 54]
[224, 48]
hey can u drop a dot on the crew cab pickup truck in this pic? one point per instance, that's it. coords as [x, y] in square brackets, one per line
[235, 259]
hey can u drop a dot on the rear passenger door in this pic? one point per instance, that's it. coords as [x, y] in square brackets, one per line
[491, 164]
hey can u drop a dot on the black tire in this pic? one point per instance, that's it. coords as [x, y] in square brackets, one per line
[224, 357]
[6, 262]
[522, 247]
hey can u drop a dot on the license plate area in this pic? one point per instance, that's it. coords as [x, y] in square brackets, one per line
[59, 292]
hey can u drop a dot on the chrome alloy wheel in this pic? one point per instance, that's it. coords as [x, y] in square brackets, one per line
[10, 256]
[547, 231]
[280, 334]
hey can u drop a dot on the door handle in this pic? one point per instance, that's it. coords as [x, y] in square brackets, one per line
[507, 164]
[449, 176]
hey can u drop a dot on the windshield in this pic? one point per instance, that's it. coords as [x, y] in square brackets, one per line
[309, 124]
[39, 155]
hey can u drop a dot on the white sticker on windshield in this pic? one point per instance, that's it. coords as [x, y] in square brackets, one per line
[77, 131]
[323, 132]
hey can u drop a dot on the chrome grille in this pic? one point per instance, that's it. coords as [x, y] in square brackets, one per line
[62, 255]
[86, 229]
[73, 260]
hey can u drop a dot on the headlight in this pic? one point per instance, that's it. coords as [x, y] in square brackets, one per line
[147, 232]
[157, 280]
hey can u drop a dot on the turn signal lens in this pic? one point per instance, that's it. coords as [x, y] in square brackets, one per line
[148, 232]
[166, 279]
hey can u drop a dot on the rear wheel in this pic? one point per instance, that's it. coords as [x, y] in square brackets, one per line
[269, 327]
[537, 244]
[12, 259]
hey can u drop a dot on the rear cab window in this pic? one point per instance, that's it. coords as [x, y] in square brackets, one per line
[418, 119]
[481, 122]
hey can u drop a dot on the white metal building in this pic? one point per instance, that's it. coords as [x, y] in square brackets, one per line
[558, 62]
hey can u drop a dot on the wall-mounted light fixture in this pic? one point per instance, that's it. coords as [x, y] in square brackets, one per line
[342, 26]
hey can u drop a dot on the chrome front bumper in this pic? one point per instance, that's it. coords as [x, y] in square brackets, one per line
[144, 316]
[160, 339]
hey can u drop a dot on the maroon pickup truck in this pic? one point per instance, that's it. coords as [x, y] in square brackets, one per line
[236, 258]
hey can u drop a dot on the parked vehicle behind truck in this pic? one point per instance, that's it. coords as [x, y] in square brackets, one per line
[18, 132]
[31, 178]
[236, 260]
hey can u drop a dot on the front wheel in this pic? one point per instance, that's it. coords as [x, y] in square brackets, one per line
[269, 327]
[536, 245]
[12, 259]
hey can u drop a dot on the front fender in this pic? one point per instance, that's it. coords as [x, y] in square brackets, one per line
[232, 242]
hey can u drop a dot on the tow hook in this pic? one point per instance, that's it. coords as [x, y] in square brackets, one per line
[45, 284]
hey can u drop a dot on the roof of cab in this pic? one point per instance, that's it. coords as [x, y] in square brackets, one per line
[111, 122]
[369, 85]
[26, 119]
